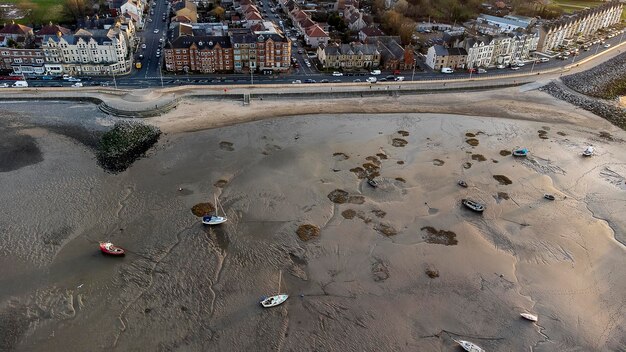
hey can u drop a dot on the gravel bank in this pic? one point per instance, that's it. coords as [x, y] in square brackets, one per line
[613, 114]
[606, 80]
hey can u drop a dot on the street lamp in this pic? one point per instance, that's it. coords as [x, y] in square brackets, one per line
[414, 64]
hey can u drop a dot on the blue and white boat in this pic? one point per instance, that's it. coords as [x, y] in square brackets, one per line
[520, 152]
[215, 219]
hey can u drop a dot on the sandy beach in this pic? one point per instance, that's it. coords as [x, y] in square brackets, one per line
[400, 267]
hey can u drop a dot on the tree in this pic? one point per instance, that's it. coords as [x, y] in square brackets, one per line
[75, 8]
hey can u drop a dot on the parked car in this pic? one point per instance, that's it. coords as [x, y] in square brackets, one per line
[607, 45]
[324, 81]
[156, 31]
[77, 84]
[20, 84]
[297, 81]
[520, 64]
[544, 59]
[337, 74]
[4, 85]
[514, 68]
[472, 70]
[310, 81]
[500, 66]
[72, 79]
[358, 80]
[375, 72]
[447, 70]
[399, 79]
[336, 81]
[481, 71]
[371, 80]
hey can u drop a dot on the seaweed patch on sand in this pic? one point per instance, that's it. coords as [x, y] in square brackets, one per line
[202, 209]
[340, 196]
[124, 143]
[434, 236]
[503, 180]
[308, 232]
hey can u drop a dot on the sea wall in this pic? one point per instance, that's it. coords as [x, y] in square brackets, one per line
[606, 80]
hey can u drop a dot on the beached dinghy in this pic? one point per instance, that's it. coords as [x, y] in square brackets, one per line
[469, 346]
[215, 219]
[462, 183]
[520, 152]
[588, 151]
[529, 316]
[111, 249]
[277, 299]
[548, 196]
[475, 206]
[372, 182]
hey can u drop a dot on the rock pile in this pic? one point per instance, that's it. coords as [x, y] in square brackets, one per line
[125, 143]
[613, 114]
[606, 80]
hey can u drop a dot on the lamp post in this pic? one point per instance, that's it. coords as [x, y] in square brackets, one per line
[533, 66]
[414, 64]
[114, 81]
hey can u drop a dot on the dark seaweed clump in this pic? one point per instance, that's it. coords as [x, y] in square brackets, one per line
[125, 143]
[308, 232]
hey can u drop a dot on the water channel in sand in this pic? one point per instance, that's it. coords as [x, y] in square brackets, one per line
[398, 267]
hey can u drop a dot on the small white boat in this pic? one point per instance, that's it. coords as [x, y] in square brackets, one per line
[372, 182]
[215, 219]
[469, 346]
[529, 316]
[475, 206]
[588, 151]
[277, 299]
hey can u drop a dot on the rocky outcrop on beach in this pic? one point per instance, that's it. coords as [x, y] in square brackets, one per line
[125, 143]
[612, 113]
[606, 80]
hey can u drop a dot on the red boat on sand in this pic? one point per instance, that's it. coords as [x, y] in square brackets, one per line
[111, 249]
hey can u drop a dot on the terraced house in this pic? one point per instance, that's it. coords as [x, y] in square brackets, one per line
[351, 56]
[93, 52]
[578, 25]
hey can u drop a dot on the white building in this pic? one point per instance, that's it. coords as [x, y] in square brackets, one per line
[135, 9]
[94, 52]
[506, 24]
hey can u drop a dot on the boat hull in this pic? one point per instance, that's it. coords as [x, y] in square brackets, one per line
[469, 346]
[470, 204]
[529, 316]
[274, 301]
[110, 249]
[213, 220]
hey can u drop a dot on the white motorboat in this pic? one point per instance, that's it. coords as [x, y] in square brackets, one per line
[588, 151]
[475, 206]
[215, 219]
[277, 299]
[274, 301]
[469, 346]
[529, 316]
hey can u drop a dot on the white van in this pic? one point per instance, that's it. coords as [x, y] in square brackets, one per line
[375, 72]
[399, 79]
[371, 80]
[20, 84]
[447, 70]
[481, 70]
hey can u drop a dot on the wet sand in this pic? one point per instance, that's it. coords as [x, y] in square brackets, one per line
[400, 267]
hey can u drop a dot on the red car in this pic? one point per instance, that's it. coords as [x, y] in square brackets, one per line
[472, 70]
